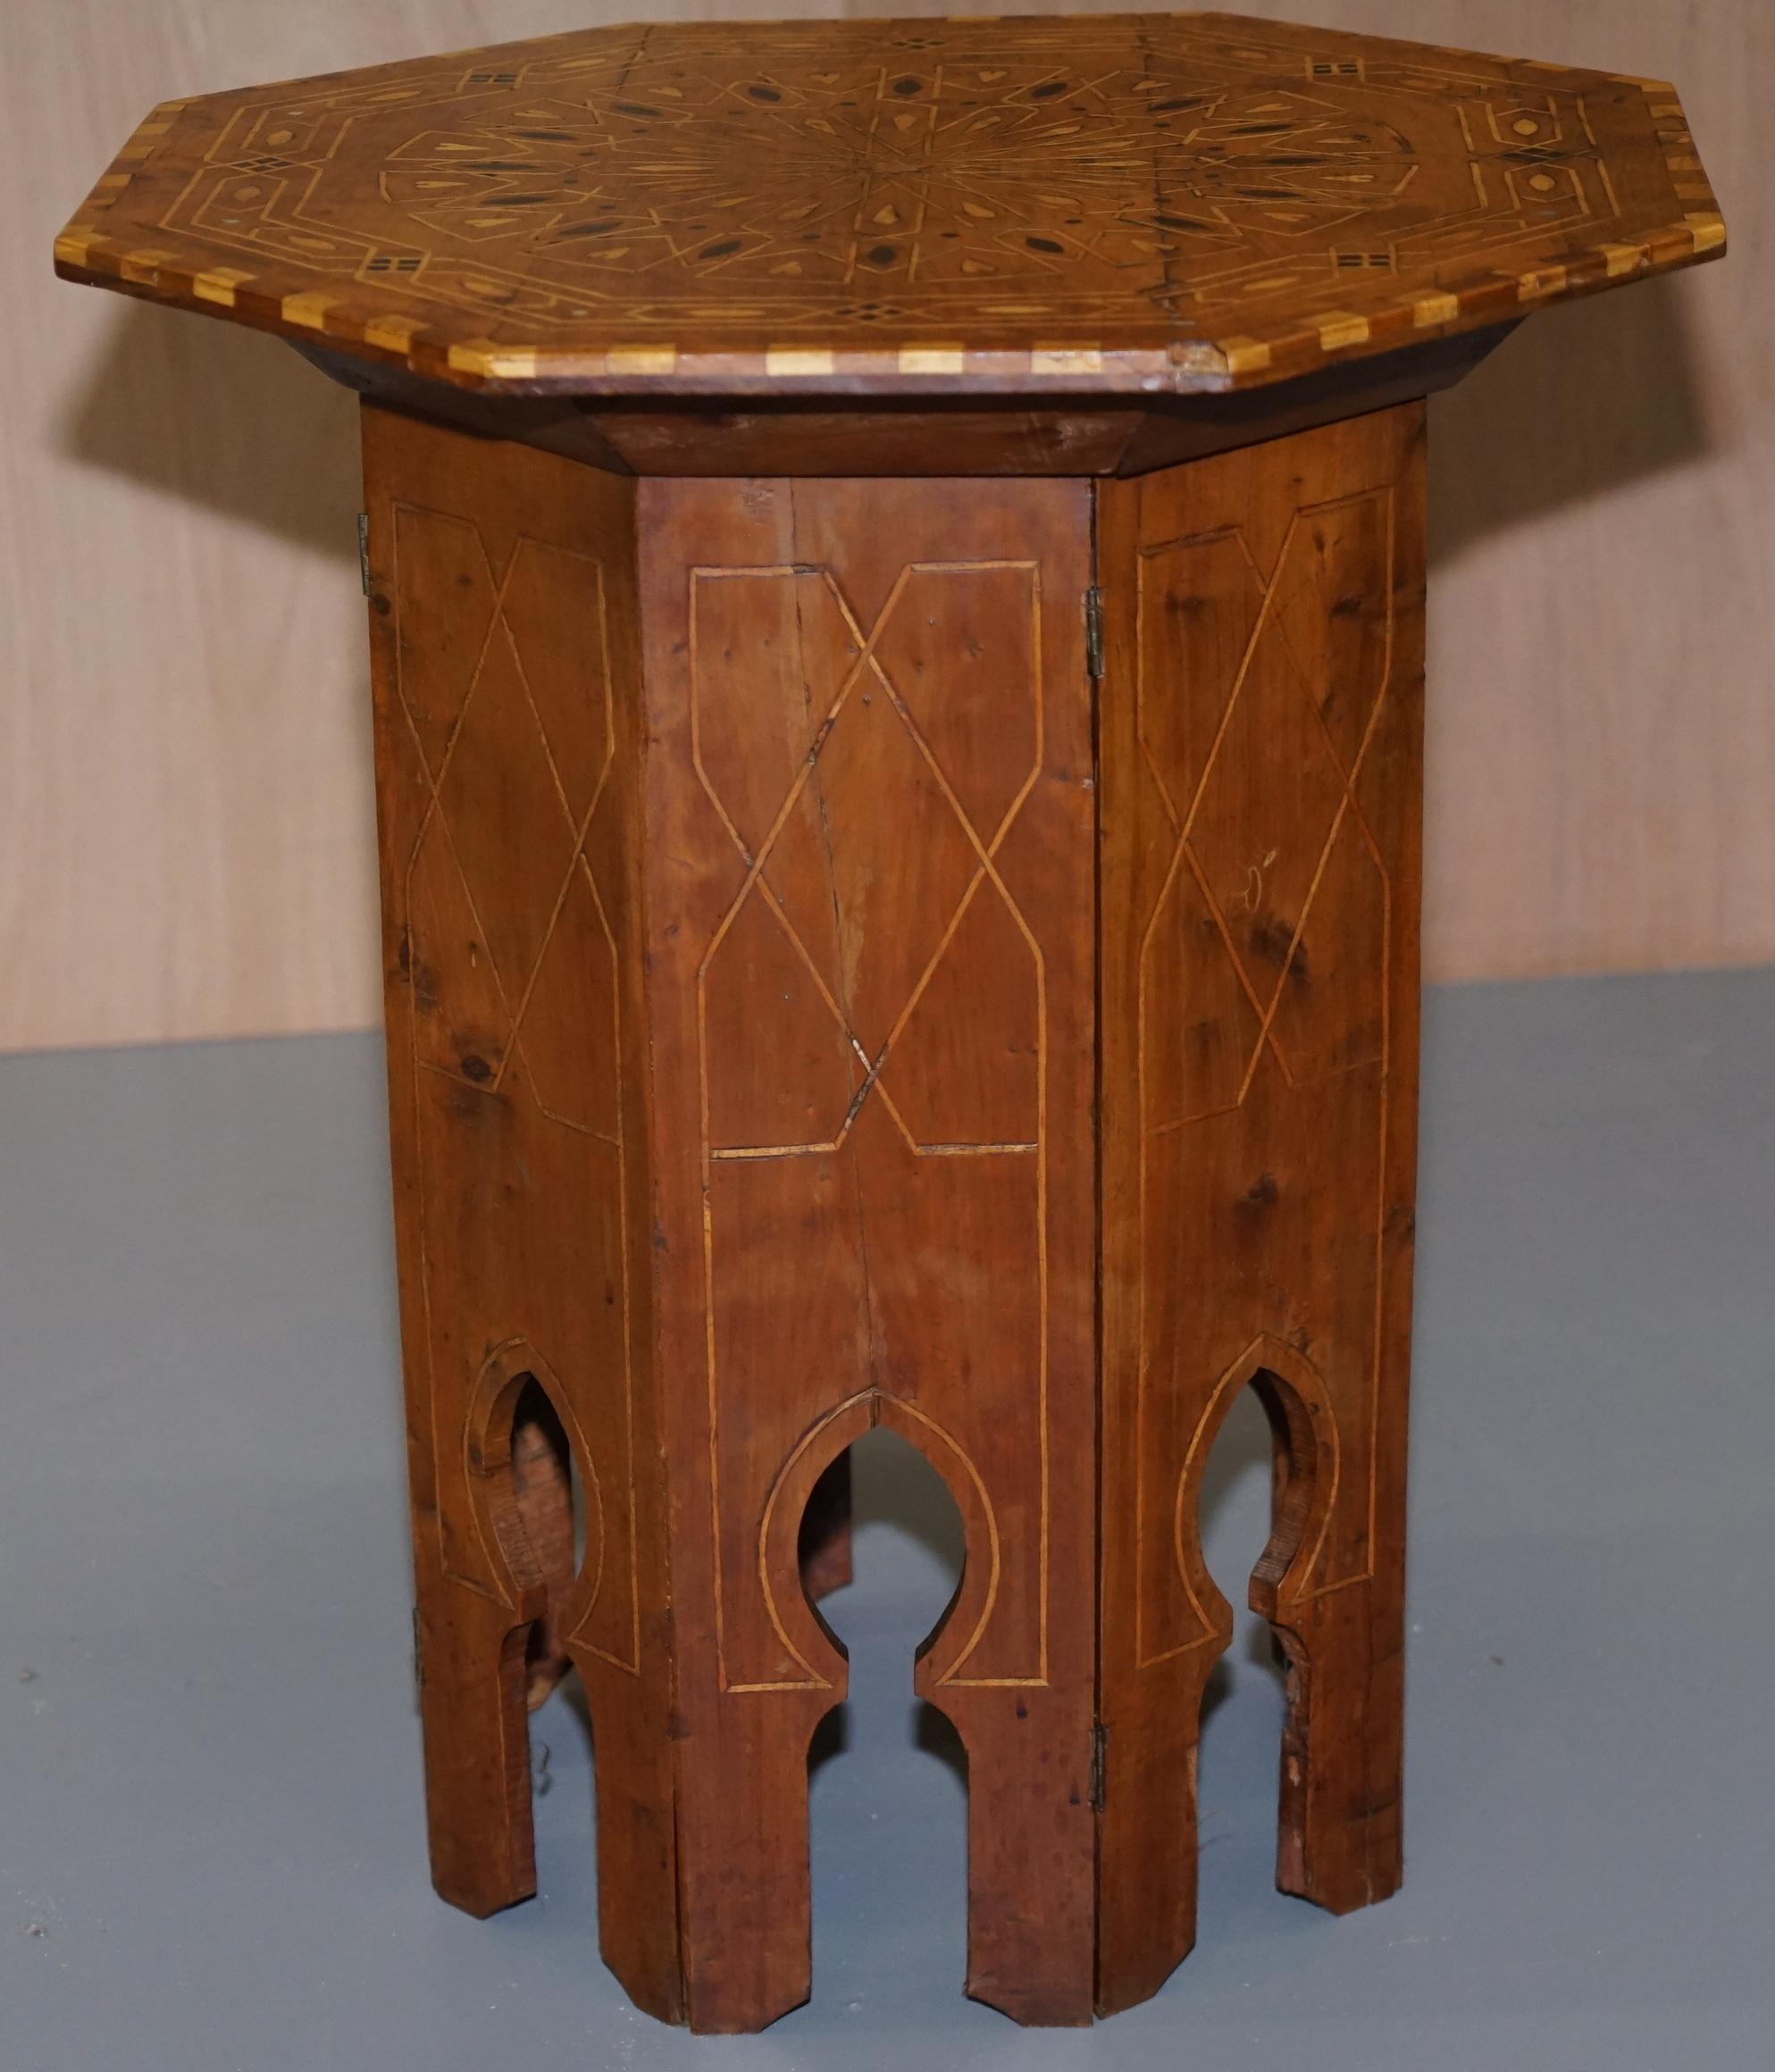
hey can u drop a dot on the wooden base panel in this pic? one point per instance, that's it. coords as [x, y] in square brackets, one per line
[1259, 733]
[811, 967]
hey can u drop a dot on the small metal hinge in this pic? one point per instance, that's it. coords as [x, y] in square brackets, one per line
[1094, 633]
[1100, 1764]
[418, 1662]
[363, 549]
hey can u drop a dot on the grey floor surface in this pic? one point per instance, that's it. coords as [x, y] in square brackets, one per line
[210, 1851]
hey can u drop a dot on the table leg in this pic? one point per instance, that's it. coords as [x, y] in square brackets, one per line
[869, 888]
[502, 617]
[1261, 729]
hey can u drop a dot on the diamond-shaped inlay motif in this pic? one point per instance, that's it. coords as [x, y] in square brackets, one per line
[508, 699]
[1270, 690]
[867, 808]
[508, 829]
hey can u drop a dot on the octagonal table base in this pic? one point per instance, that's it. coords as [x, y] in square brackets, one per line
[931, 953]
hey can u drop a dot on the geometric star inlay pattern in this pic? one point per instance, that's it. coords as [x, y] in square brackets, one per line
[1139, 202]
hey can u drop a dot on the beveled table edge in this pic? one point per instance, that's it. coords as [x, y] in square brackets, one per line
[1295, 347]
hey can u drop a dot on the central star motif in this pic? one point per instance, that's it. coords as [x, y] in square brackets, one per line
[945, 178]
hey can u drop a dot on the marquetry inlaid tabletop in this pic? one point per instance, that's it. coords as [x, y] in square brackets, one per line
[1157, 202]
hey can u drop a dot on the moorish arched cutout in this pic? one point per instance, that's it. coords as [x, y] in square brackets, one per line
[531, 1582]
[805, 1635]
[1304, 1436]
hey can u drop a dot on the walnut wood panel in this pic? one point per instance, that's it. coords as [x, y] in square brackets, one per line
[869, 890]
[1187, 202]
[504, 650]
[1260, 744]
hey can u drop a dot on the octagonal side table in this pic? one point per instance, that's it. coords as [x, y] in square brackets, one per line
[895, 555]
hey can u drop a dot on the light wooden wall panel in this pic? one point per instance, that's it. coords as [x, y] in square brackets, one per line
[185, 820]
[1601, 757]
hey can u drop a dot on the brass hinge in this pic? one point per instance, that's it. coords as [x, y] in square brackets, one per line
[363, 549]
[1100, 1764]
[1094, 633]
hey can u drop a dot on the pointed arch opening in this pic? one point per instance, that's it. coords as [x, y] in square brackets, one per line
[538, 1506]
[539, 1514]
[1253, 1504]
[887, 1770]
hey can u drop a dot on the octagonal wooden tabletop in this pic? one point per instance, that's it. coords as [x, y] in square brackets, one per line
[1157, 204]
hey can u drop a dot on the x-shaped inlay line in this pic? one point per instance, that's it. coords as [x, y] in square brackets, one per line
[1184, 818]
[514, 991]
[866, 666]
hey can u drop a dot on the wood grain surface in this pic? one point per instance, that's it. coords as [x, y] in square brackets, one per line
[800, 1013]
[1162, 202]
[868, 877]
[504, 650]
[1260, 734]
